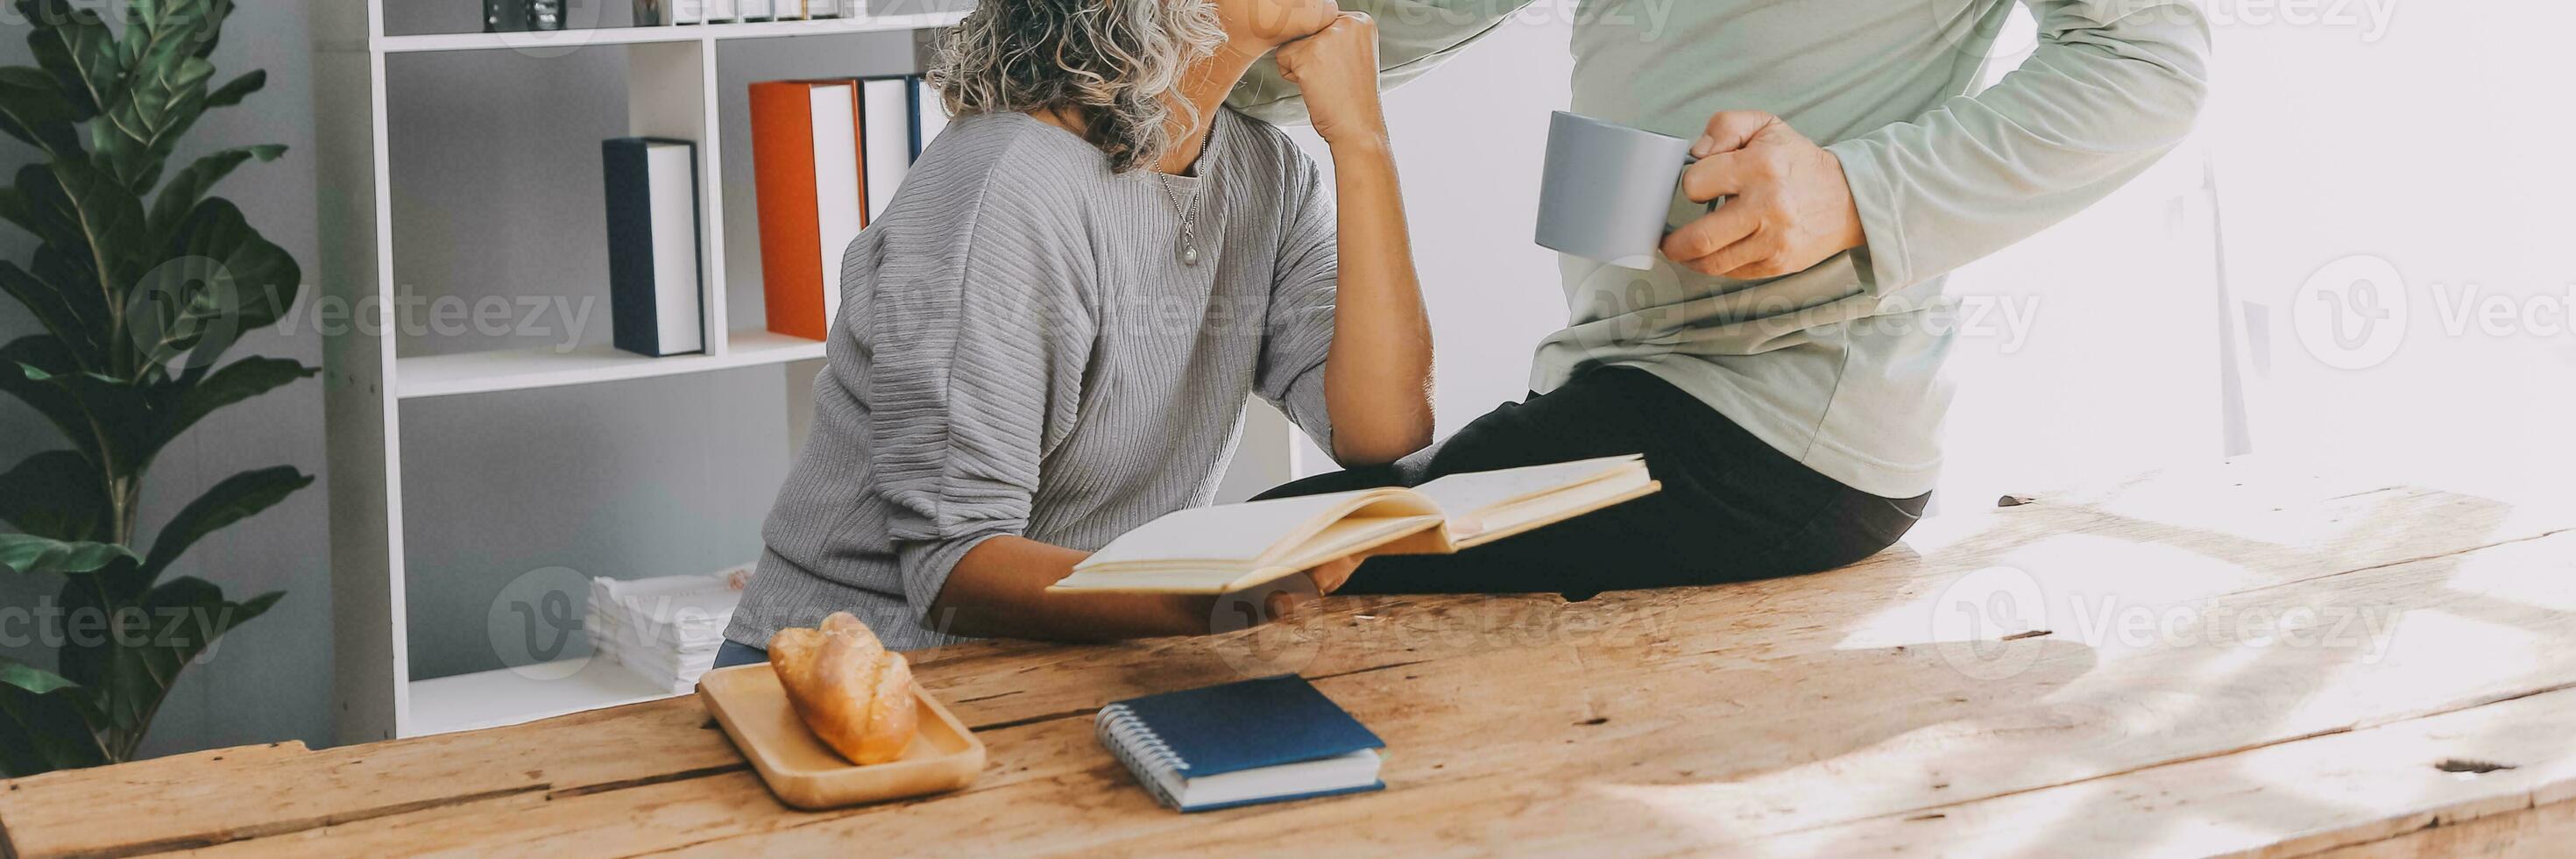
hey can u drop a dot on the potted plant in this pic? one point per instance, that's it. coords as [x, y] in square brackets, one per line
[140, 281]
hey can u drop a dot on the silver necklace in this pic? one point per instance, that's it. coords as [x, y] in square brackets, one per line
[1189, 212]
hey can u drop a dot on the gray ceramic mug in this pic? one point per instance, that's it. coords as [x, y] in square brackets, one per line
[1609, 191]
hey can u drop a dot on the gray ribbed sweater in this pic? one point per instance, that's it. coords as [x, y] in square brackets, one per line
[1020, 351]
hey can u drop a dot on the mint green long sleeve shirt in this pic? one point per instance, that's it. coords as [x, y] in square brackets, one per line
[1839, 365]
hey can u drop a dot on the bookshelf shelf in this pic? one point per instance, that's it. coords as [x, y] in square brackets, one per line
[565, 40]
[671, 87]
[542, 367]
[502, 696]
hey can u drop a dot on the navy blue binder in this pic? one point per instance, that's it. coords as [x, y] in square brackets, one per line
[656, 291]
[1267, 740]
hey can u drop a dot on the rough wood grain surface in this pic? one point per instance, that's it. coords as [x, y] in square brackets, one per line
[2221, 661]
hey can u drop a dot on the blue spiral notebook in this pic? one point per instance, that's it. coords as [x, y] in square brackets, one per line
[1256, 741]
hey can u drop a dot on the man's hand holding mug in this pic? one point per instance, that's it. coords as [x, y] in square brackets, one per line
[1788, 206]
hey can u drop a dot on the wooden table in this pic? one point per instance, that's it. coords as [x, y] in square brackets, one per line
[2222, 661]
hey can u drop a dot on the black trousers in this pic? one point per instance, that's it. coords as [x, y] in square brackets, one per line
[1732, 508]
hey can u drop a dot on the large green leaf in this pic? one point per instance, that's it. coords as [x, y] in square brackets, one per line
[35, 203]
[45, 722]
[34, 110]
[168, 43]
[237, 381]
[111, 217]
[203, 19]
[85, 657]
[29, 554]
[88, 215]
[73, 316]
[236, 498]
[69, 271]
[58, 494]
[117, 412]
[221, 278]
[165, 99]
[71, 42]
[43, 352]
[186, 615]
[191, 184]
[234, 91]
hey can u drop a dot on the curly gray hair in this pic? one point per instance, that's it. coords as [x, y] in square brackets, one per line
[1110, 63]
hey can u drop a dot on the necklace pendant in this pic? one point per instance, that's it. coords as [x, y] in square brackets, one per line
[1189, 254]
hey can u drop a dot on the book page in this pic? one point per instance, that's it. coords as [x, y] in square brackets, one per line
[1553, 507]
[1480, 493]
[1228, 534]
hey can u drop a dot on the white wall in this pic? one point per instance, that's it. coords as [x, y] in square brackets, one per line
[2437, 142]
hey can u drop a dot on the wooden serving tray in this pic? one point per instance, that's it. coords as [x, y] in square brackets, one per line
[807, 774]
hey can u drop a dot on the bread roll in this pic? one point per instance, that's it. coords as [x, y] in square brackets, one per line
[850, 690]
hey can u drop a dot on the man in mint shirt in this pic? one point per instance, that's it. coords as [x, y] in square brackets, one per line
[1781, 366]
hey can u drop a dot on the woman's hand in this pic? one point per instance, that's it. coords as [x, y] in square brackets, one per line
[1327, 577]
[1337, 69]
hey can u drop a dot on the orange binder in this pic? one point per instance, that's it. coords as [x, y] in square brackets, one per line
[813, 197]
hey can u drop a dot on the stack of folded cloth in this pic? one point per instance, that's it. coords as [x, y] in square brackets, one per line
[664, 630]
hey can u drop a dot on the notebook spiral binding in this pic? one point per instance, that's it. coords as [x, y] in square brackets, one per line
[1135, 744]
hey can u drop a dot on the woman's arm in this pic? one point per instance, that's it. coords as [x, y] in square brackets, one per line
[1415, 37]
[1377, 377]
[999, 589]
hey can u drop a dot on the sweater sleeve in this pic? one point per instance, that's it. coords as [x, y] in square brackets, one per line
[977, 338]
[1413, 36]
[2113, 85]
[1297, 330]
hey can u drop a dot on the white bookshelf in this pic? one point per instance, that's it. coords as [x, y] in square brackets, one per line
[543, 367]
[672, 91]
[559, 40]
[505, 696]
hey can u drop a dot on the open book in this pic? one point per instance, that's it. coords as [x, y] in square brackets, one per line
[1230, 547]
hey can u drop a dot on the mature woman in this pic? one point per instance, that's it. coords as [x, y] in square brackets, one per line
[1048, 338]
